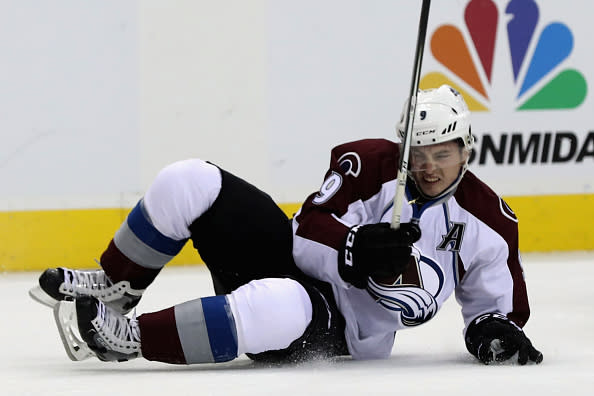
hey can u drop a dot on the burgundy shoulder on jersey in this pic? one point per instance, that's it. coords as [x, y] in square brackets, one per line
[368, 163]
[357, 171]
[479, 199]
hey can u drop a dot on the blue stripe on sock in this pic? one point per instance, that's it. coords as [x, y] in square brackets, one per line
[221, 328]
[142, 227]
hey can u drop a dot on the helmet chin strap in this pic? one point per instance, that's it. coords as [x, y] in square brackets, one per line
[444, 195]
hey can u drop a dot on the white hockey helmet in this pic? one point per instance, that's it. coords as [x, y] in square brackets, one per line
[441, 115]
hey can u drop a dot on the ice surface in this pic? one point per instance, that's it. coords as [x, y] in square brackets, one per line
[430, 359]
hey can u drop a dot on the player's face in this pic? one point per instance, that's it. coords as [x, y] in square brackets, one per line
[437, 166]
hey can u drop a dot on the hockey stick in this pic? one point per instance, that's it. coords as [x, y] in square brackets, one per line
[412, 104]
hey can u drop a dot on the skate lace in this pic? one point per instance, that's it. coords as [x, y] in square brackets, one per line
[121, 327]
[87, 280]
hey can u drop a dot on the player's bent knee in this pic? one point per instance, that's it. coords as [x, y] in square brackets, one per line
[270, 314]
[180, 193]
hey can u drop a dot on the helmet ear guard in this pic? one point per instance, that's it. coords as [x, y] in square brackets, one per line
[441, 115]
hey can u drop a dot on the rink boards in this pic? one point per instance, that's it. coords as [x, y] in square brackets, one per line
[33, 240]
[97, 103]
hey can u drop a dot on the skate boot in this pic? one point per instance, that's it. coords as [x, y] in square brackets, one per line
[109, 334]
[58, 284]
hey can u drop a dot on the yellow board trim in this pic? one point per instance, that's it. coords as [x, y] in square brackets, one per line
[550, 223]
[35, 240]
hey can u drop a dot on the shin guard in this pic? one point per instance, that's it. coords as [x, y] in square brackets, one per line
[197, 331]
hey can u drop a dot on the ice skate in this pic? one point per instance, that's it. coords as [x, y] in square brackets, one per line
[59, 284]
[105, 333]
[65, 316]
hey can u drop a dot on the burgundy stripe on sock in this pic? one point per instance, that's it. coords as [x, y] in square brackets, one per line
[159, 340]
[120, 268]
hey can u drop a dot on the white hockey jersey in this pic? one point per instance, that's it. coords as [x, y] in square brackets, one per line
[469, 245]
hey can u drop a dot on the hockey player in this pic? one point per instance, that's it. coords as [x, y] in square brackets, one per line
[341, 282]
[469, 242]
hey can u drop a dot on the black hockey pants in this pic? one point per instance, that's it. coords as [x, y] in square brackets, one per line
[245, 236]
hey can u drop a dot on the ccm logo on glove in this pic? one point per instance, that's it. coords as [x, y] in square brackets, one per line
[376, 250]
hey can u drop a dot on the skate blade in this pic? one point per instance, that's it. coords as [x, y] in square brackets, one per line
[65, 316]
[42, 297]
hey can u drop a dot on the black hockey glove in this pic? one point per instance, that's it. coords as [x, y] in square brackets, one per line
[376, 250]
[493, 336]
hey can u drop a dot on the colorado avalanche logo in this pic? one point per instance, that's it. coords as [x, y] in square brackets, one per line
[350, 163]
[413, 294]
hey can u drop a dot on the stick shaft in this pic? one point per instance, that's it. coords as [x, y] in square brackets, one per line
[412, 104]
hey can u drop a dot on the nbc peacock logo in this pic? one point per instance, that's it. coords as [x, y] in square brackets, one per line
[538, 57]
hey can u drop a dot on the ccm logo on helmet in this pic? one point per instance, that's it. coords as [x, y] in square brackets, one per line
[427, 132]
